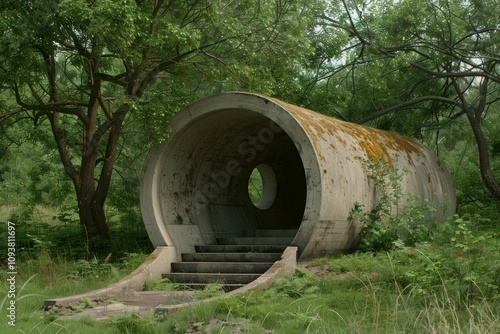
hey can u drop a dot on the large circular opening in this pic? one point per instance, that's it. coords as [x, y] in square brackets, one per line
[237, 167]
[262, 186]
[232, 172]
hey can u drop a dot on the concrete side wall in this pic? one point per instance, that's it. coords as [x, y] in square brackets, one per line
[342, 148]
[157, 263]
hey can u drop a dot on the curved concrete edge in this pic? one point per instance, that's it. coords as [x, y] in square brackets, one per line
[284, 267]
[157, 263]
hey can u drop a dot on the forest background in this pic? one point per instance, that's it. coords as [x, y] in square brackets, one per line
[86, 87]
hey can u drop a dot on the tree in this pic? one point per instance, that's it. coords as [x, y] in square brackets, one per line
[437, 57]
[82, 66]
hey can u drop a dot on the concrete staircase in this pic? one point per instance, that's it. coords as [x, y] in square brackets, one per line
[233, 262]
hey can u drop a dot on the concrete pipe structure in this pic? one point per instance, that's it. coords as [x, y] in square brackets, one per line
[195, 187]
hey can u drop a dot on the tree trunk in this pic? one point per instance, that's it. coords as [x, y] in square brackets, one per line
[91, 199]
[92, 216]
[484, 160]
[103, 185]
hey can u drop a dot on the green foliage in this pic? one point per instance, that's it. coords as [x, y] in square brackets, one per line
[301, 284]
[388, 224]
[163, 284]
[92, 72]
[84, 304]
[473, 264]
[134, 324]
[255, 187]
[31, 170]
[458, 150]
[420, 68]
[426, 288]
[459, 265]
[209, 291]
[433, 279]
[94, 267]
[39, 235]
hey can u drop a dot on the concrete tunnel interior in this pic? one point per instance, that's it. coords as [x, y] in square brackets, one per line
[211, 160]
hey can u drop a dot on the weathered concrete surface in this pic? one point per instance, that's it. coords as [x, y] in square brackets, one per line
[156, 264]
[126, 296]
[284, 267]
[195, 187]
[139, 303]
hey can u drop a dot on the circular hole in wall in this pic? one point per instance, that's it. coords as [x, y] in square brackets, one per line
[262, 186]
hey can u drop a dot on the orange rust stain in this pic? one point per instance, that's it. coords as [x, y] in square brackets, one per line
[375, 143]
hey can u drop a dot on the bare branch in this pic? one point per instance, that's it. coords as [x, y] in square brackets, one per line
[105, 107]
[213, 57]
[118, 116]
[471, 74]
[63, 152]
[116, 79]
[406, 104]
[8, 115]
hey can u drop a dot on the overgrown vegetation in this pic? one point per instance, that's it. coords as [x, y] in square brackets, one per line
[427, 69]
[454, 255]
[42, 234]
[449, 284]
[433, 280]
[396, 219]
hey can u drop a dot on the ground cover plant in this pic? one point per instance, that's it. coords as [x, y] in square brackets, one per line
[448, 284]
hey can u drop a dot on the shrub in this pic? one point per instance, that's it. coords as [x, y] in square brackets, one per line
[382, 229]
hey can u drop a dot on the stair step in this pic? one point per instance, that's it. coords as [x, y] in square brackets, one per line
[234, 262]
[276, 233]
[221, 267]
[190, 278]
[240, 248]
[231, 257]
[200, 286]
[255, 240]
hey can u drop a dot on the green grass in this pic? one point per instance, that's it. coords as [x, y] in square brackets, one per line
[330, 295]
[450, 284]
[53, 260]
[42, 279]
